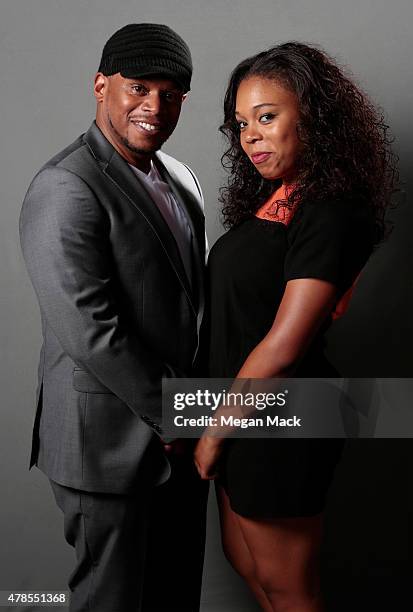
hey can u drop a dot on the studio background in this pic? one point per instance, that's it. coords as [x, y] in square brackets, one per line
[49, 52]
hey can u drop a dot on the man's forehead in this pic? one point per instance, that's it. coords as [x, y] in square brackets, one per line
[155, 81]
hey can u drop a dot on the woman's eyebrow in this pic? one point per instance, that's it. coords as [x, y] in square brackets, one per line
[266, 104]
[260, 105]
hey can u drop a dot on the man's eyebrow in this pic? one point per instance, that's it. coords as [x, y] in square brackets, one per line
[138, 81]
[260, 105]
[130, 81]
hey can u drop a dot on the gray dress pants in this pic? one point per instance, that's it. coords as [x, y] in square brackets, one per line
[141, 552]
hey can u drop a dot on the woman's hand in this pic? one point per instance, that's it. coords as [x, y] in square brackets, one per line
[206, 455]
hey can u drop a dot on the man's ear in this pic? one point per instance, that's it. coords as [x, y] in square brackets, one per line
[184, 96]
[100, 85]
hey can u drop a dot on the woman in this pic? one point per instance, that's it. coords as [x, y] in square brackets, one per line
[311, 175]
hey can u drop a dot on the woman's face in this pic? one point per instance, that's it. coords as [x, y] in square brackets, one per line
[267, 114]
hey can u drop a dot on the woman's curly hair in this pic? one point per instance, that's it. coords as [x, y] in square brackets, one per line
[347, 148]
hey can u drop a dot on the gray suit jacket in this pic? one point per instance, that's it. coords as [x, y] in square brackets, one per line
[118, 313]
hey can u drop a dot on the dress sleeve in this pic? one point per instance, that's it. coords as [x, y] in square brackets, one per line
[330, 241]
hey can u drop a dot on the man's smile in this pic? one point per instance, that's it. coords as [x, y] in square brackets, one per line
[147, 127]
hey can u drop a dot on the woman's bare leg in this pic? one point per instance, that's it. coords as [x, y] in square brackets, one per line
[236, 550]
[285, 553]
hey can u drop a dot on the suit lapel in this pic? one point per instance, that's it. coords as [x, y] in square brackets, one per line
[122, 176]
[196, 222]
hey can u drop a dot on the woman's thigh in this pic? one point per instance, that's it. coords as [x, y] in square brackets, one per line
[285, 551]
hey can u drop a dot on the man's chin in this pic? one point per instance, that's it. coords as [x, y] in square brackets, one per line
[146, 149]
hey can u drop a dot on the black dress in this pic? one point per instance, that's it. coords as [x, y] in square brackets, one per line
[249, 267]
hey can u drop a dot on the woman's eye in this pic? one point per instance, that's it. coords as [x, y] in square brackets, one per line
[241, 125]
[267, 117]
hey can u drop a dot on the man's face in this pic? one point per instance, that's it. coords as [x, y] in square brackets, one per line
[137, 115]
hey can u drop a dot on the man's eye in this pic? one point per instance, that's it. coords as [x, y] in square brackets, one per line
[139, 89]
[170, 96]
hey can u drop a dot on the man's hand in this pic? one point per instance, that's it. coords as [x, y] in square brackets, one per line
[206, 455]
[176, 447]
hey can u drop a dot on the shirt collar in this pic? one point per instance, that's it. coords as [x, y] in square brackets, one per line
[153, 175]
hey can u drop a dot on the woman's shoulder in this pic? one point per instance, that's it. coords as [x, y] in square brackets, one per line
[339, 211]
[348, 203]
[330, 239]
[335, 224]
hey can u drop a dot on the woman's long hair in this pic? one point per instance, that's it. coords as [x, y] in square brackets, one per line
[346, 140]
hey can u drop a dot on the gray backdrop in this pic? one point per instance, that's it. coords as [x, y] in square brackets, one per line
[49, 51]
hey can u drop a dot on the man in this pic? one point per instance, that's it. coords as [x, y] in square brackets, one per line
[112, 233]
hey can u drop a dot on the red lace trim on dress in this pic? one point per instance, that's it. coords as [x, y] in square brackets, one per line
[269, 210]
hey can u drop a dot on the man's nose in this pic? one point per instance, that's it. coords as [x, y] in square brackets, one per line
[152, 104]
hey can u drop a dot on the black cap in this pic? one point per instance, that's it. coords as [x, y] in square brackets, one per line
[145, 49]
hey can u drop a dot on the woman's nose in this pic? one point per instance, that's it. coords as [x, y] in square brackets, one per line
[251, 134]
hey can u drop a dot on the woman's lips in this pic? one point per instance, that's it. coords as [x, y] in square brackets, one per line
[258, 158]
